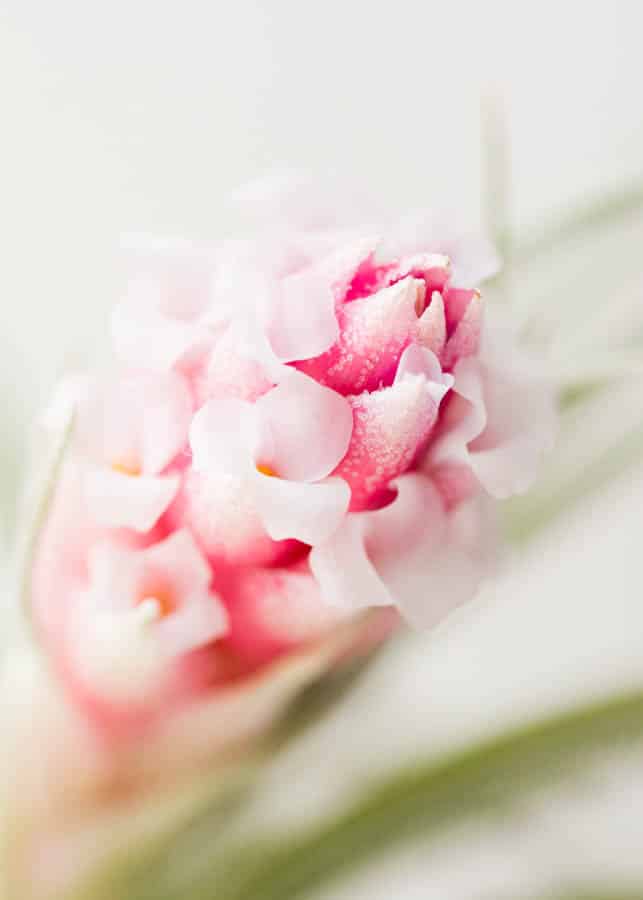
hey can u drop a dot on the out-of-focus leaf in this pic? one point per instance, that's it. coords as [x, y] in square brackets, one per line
[479, 783]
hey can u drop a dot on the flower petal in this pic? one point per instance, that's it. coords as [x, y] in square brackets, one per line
[347, 577]
[220, 510]
[115, 500]
[137, 423]
[391, 426]
[305, 512]
[303, 321]
[374, 330]
[502, 420]
[222, 437]
[413, 554]
[305, 429]
[275, 610]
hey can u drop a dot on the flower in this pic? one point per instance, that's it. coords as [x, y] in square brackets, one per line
[312, 421]
[301, 437]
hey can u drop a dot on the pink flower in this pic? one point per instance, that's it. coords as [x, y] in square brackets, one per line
[300, 426]
[130, 428]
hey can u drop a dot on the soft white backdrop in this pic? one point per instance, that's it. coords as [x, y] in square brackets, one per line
[141, 115]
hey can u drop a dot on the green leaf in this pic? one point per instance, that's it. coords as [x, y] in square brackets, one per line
[479, 782]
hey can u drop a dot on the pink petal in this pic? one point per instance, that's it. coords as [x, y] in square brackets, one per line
[160, 319]
[222, 437]
[273, 611]
[302, 321]
[474, 258]
[437, 559]
[465, 336]
[305, 429]
[431, 330]
[234, 370]
[304, 512]
[411, 553]
[347, 578]
[374, 330]
[501, 422]
[137, 423]
[391, 426]
[115, 500]
[220, 511]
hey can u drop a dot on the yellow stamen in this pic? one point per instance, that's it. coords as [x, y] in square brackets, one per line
[164, 600]
[266, 470]
[132, 470]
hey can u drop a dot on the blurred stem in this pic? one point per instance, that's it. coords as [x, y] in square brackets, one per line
[484, 781]
[610, 209]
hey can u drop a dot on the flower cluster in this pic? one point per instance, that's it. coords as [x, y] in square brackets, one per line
[297, 427]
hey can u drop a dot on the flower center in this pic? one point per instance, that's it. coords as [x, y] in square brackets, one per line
[163, 597]
[127, 467]
[266, 470]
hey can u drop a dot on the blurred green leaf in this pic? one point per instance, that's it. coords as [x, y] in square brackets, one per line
[480, 782]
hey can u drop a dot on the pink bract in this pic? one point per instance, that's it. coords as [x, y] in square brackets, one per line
[297, 427]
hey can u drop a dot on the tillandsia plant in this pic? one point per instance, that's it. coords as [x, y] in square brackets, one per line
[296, 448]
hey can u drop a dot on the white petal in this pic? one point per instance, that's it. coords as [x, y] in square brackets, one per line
[115, 500]
[222, 436]
[346, 576]
[305, 512]
[305, 428]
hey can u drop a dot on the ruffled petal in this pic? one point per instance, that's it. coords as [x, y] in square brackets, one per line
[305, 429]
[223, 434]
[116, 500]
[304, 512]
[346, 576]
[374, 330]
[413, 554]
[431, 560]
[137, 423]
[392, 426]
[502, 421]
[302, 321]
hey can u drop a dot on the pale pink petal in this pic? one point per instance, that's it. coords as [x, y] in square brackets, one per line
[222, 437]
[234, 369]
[159, 322]
[392, 426]
[303, 322]
[113, 572]
[474, 258]
[346, 576]
[142, 607]
[413, 554]
[375, 329]
[165, 409]
[503, 421]
[221, 512]
[137, 423]
[305, 429]
[431, 329]
[145, 337]
[465, 337]
[305, 512]
[180, 557]
[116, 500]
